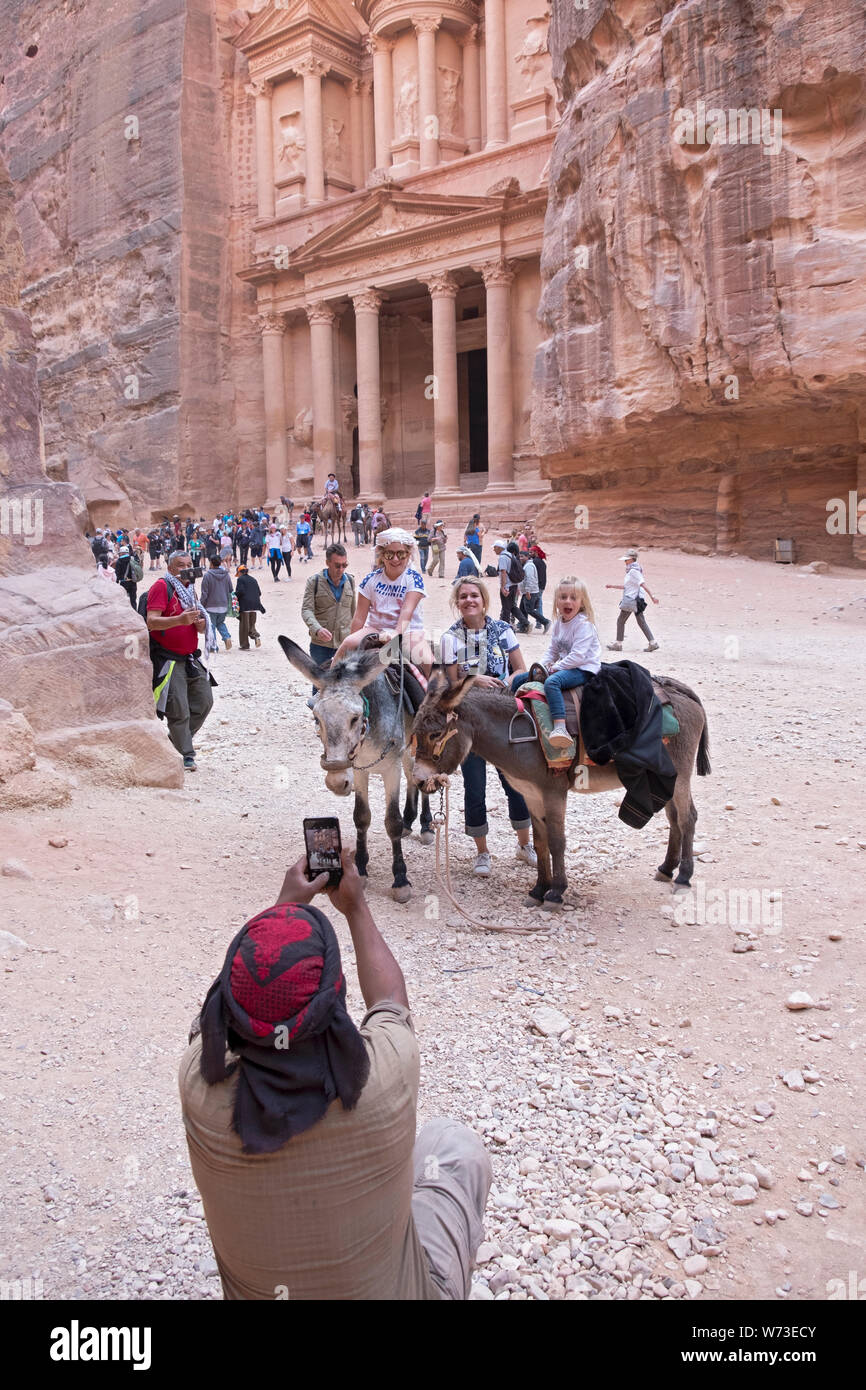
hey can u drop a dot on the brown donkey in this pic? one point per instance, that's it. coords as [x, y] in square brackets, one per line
[456, 719]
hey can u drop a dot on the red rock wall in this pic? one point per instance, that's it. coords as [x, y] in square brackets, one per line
[128, 260]
[704, 263]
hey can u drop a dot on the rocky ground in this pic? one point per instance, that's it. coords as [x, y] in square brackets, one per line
[663, 1121]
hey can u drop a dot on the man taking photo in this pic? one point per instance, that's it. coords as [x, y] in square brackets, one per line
[301, 1127]
[181, 684]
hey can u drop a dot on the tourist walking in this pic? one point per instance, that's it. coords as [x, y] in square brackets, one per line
[257, 541]
[539, 559]
[424, 508]
[243, 538]
[329, 604]
[124, 573]
[422, 540]
[574, 652]
[632, 601]
[216, 597]
[473, 536]
[226, 548]
[182, 685]
[154, 548]
[249, 597]
[438, 544]
[531, 600]
[275, 553]
[510, 576]
[303, 531]
[468, 565]
[286, 548]
[479, 644]
[356, 516]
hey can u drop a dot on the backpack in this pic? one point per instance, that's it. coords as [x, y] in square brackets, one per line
[516, 572]
[142, 601]
[136, 570]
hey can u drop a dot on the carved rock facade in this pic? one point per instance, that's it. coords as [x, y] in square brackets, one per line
[702, 377]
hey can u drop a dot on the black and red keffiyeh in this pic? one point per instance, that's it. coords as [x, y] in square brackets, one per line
[280, 1005]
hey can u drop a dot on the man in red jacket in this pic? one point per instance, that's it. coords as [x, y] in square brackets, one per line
[182, 685]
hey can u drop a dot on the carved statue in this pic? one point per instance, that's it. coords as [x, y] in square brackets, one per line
[292, 144]
[333, 142]
[302, 430]
[449, 97]
[532, 56]
[407, 107]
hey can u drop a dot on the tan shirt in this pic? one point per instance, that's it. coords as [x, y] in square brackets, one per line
[329, 1215]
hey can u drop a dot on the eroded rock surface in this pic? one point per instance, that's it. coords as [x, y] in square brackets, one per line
[706, 302]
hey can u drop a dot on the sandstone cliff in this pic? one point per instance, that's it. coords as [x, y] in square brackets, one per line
[115, 125]
[702, 382]
[75, 677]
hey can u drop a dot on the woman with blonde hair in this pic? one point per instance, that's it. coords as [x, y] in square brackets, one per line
[488, 647]
[574, 652]
[390, 599]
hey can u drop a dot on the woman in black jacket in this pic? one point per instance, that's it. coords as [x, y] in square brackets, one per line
[249, 597]
[540, 560]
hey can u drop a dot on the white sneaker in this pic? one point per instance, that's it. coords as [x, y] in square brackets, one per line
[560, 737]
[527, 854]
[614, 646]
[481, 866]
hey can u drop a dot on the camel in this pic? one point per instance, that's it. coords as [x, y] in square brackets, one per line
[332, 519]
[454, 720]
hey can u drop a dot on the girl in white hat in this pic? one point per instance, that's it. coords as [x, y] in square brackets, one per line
[390, 599]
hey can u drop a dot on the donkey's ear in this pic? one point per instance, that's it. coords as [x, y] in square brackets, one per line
[452, 697]
[301, 661]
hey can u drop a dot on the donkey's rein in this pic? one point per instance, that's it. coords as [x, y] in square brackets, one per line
[440, 820]
[392, 741]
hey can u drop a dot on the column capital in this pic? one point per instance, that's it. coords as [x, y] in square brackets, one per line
[468, 36]
[320, 312]
[497, 273]
[259, 87]
[360, 86]
[311, 67]
[426, 24]
[271, 322]
[442, 285]
[368, 301]
[377, 43]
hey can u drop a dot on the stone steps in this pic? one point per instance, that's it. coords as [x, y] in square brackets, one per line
[499, 510]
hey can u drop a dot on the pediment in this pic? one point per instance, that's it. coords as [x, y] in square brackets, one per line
[276, 23]
[391, 214]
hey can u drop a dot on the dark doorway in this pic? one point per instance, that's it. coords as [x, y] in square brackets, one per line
[476, 362]
[356, 463]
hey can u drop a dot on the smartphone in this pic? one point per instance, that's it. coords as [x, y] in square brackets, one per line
[322, 840]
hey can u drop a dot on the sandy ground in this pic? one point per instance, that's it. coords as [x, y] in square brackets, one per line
[674, 1037]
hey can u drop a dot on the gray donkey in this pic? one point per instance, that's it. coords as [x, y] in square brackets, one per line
[456, 719]
[363, 729]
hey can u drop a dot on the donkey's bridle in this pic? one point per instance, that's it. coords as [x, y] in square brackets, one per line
[436, 748]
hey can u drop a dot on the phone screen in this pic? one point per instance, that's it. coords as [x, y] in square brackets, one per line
[322, 839]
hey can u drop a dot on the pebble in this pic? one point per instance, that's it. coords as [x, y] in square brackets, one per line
[764, 1176]
[828, 1201]
[799, 1000]
[610, 1011]
[706, 1171]
[834, 936]
[695, 1264]
[549, 1021]
[839, 1155]
[13, 868]
[793, 1080]
[804, 1208]
[58, 841]
[765, 1108]
[608, 1184]
[743, 1196]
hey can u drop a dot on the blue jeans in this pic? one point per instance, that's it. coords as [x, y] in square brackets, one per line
[554, 686]
[219, 622]
[474, 771]
[320, 655]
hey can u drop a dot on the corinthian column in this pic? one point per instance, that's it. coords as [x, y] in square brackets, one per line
[497, 111]
[321, 318]
[383, 99]
[500, 406]
[427, 102]
[276, 451]
[468, 41]
[446, 442]
[313, 70]
[367, 305]
[264, 146]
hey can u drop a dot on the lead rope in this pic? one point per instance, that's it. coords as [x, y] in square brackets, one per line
[440, 820]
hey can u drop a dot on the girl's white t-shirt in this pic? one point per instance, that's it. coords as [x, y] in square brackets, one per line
[386, 598]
